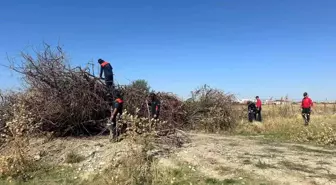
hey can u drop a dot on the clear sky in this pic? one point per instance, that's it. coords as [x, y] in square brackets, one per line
[260, 47]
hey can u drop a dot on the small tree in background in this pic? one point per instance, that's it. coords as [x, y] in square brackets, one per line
[141, 85]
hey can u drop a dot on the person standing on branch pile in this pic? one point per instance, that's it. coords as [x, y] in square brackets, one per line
[106, 68]
[258, 110]
[306, 106]
[116, 112]
[154, 105]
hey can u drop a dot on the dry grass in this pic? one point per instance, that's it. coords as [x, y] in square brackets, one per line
[320, 131]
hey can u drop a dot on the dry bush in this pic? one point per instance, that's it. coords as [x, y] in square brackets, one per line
[7, 100]
[132, 126]
[16, 162]
[323, 133]
[285, 110]
[211, 110]
[18, 124]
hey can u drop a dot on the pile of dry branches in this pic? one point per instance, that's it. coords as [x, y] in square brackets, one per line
[71, 101]
[211, 110]
[62, 99]
[172, 108]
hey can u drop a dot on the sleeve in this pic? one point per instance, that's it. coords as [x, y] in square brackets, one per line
[101, 72]
[311, 102]
[302, 103]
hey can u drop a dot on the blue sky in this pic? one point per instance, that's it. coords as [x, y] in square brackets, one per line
[260, 47]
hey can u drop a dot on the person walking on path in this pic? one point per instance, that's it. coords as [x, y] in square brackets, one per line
[258, 111]
[306, 106]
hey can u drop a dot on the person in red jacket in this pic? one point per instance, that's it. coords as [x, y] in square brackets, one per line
[306, 106]
[258, 111]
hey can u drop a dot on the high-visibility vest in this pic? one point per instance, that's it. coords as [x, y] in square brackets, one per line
[104, 64]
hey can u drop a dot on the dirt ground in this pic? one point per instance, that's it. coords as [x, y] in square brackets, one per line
[224, 157]
[215, 156]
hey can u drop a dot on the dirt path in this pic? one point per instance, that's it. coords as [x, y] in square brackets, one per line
[226, 157]
[214, 156]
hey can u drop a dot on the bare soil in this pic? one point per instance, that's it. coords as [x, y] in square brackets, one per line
[225, 157]
[214, 156]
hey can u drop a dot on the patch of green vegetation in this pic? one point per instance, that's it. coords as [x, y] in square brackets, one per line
[187, 175]
[305, 149]
[297, 167]
[277, 136]
[73, 157]
[264, 165]
[212, 181]
[158, 176]
[46, 175]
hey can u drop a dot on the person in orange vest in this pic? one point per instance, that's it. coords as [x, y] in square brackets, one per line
[106, 68]
[116, 112]
[258, 111]
[306, 106]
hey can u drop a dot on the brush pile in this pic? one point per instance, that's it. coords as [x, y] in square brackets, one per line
[71, 101]
[211, 110]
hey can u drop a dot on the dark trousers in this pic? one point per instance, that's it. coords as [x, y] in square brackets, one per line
[114, 128]
[258, 115]
[117, 130]
[109, 83]
[306, 115]
[251, 116]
